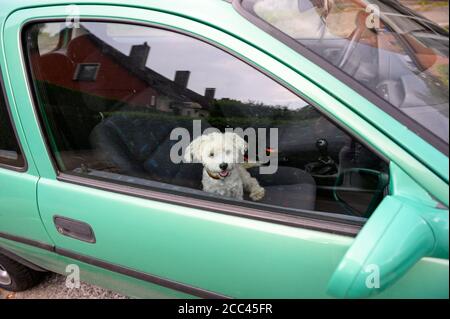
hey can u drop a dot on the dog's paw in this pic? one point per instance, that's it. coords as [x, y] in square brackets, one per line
[257, 193]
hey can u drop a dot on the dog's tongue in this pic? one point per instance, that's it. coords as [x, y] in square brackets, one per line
[223, 174]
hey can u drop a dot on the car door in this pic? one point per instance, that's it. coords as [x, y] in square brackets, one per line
[109, 196]
[18, 179]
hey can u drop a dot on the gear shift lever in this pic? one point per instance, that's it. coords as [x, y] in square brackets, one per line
[325, 165]
[322, 146]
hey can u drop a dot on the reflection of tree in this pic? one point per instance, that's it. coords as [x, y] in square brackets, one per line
[442, 71]
[32, 41]
[234, 113]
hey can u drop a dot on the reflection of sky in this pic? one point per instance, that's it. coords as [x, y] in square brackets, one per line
[209, 66]
[52, 28]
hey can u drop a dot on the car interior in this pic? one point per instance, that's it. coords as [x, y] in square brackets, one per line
[99, 130]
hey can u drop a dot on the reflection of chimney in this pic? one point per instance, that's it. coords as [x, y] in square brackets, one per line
[139, 54]
[209, 93]
[182, 78]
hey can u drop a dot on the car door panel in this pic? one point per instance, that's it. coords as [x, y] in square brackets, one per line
[18, 206]
[232, 256]
[18, 182]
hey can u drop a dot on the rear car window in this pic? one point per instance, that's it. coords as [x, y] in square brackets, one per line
[401, 57]
[10, 153]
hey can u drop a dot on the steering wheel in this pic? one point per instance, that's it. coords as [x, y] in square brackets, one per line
[383, 180]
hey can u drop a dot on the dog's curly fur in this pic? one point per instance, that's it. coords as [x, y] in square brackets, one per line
[216, 151]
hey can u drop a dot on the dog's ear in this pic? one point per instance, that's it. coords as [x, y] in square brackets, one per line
[193, 151]
[239, 143]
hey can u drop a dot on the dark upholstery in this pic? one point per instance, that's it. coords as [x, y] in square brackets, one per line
[138, 144]
[289, 187]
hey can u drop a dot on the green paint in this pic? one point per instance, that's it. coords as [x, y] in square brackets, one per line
[229, 255]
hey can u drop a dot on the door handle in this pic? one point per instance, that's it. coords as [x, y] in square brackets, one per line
[74, 229]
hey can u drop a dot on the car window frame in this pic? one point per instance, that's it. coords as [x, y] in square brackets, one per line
[24, 167]
[359, 88]
[314, 220]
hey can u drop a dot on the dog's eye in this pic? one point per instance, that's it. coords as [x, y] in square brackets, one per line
[211, 154]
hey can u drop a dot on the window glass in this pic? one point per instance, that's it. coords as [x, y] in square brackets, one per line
[160, 110]
[49, 39]
[400, 56]
[10, 153]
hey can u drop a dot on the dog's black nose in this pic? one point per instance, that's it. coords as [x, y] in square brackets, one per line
[223, 166]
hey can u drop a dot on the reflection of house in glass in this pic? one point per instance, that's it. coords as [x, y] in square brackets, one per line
[85, 63]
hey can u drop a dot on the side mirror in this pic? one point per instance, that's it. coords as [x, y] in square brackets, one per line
[398, 234]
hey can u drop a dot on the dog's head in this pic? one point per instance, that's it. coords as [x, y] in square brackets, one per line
[218, 152]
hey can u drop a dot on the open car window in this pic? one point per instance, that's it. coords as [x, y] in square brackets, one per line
[399, 56]
[155, 109]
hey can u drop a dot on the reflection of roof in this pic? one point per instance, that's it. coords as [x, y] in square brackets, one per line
[157, 81]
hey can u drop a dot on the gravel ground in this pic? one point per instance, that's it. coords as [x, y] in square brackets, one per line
[53, 287]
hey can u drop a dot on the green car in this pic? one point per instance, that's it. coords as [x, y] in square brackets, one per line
[225, 149]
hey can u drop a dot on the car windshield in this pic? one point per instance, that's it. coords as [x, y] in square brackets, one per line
[400, 56]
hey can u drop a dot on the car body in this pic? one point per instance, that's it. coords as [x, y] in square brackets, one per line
[160, 243]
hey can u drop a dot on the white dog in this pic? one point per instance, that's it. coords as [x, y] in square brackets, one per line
[223, 173]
